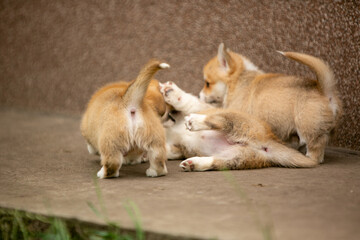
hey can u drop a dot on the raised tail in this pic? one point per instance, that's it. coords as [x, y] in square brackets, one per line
[135, 93]
[281, 155]
[325, 77]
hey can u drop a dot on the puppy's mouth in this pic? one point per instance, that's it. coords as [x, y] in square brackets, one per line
[213, 102]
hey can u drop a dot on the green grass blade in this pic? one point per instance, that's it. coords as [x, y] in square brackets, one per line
[94, 209]
[134, 213]
[14, 230]
[100, 199]
[21, 224]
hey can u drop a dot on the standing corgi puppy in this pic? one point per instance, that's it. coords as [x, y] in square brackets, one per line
[300, 111]
[122, 124]
[218, 139]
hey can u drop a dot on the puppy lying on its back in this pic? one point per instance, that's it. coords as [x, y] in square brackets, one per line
[122, 124]
[222, 138]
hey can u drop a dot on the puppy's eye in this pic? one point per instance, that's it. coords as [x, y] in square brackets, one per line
[207, 84]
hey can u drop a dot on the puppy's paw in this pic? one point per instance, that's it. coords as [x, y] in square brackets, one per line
[172, 93]
[103, 174]
[150, 172]
[195, 122]
[187, 165]
[197, 164]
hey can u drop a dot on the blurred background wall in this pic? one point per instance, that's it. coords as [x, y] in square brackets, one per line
[55, 54]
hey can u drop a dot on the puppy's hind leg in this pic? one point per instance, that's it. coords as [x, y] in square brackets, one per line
[157, 159]
[197, 164]
[241, 157]
[111, 165]
[92, 150]
[314, 125]
[111, 158]
[315, 148]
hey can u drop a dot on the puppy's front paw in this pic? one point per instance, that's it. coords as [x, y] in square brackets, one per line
[195, 122]
[172, 93]
[166, 88]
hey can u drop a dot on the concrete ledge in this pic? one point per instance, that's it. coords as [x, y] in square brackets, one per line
[45, 168]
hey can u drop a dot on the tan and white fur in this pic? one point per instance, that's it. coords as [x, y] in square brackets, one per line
[217, 139]
[122, 124]
[300, 111]
[181, 143]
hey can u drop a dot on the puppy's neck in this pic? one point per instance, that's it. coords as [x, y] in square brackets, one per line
[242, 81]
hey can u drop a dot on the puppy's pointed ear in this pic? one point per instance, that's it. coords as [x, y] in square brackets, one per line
[225, 61]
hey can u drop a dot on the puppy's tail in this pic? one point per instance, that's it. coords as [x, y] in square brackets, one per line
[135, 93]
[325, 77]
[281, 155]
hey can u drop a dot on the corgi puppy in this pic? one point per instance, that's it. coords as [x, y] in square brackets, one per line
[218, 139]
[122, 124]
[301, 112]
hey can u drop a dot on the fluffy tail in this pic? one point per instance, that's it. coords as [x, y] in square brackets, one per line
[135, 93]
[324, 74]
[279, 154]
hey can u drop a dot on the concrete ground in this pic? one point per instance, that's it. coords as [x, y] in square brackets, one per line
[45, 168]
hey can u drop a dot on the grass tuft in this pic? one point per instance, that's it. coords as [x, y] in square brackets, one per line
[19, 225]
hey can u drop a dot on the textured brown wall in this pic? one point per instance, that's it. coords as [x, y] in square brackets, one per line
[55, 54]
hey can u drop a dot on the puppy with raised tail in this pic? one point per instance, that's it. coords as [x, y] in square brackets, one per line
[262, 116]
[301, 112]
[122, 124]
[218, 139]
